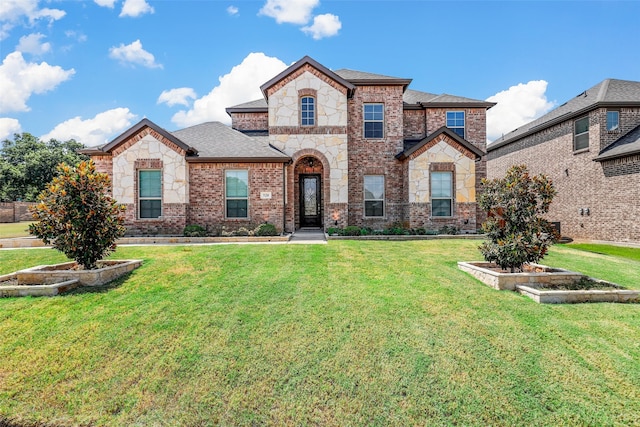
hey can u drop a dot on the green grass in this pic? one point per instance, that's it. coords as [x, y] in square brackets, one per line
[14, 229]
[619, 251]
[349, 333]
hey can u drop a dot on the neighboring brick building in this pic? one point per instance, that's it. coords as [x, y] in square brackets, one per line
[590, 148]
[323, 148]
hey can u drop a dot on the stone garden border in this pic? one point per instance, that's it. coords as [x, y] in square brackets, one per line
[529, 284]
[54, 279]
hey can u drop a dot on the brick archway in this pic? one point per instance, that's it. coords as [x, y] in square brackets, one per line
[306, 162]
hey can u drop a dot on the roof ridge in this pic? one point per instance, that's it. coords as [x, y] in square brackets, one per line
[602, 93]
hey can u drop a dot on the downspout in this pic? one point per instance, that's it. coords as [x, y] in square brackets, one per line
[284, 197]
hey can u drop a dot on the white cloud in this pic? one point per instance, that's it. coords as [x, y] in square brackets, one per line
[19, 80]
[241, 84]
[516, 106]
[326, 25]
[95, 131]
[12, 13]
[178, 96]
[133, 54]
[232, 10]
[80, 37]
[8, 127]
[135, 8]
[106, 3]
[31, 44]
[289, 11]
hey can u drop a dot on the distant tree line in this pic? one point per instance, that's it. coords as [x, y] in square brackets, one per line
[28, 164]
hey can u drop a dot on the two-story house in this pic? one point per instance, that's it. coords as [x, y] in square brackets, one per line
[322, 148]
[590, 148]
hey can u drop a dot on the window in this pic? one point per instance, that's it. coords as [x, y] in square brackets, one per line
[613, 120]
[150, 193]
[441, 193]
[307, 111]
[455, 122]
[581, 134]
[237, 193]
[373, 120]
[373, 195]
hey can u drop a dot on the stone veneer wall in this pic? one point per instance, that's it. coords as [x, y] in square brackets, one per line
[207, 195]
[440, 155]
[610, 189]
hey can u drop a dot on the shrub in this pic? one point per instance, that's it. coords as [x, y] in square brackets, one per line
[352, 230]
[334, 231]
[448, 229]
[194, 230]
[75, 214]
[516, 231]
[266, 229]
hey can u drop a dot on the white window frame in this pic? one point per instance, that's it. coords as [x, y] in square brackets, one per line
[615, 128]
[382, 199]
[374, 120]
[450, 198]
[455, 124]
[580, 135]
[227, 198]
[313, 111]
[142, 198]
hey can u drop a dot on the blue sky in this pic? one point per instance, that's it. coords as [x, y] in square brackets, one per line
[90, 69]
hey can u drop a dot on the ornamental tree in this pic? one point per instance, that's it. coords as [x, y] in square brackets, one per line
[77, 216]
[515, 205]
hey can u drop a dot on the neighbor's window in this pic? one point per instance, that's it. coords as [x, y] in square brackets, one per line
[613, 120]
[455, 122]
[150, 193]
[581, 134]
[374, 120]
[373, 195]
[307, 111]
[441, 193]
[237, 193]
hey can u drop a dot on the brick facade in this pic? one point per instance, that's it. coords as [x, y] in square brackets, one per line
[610, 190]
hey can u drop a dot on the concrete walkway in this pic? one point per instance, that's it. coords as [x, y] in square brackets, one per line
[308, 236]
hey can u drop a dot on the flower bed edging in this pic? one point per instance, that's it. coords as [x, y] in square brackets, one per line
[38, 290]
[48, 275]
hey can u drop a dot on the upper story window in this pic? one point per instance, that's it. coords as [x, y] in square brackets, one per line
[237, 193]
[374, 120]
[581, 134]
[455, 122]
[613, 120]
[373, 195]
[441, 193]
[307, 111]
[149, 193]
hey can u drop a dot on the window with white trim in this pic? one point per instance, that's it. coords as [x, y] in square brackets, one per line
[149, 193]
[455, 122]
[613, 120]
[442, 194]
[581, 134]
[373, 120]
[307, 111]
[237, 193]
[374, 195]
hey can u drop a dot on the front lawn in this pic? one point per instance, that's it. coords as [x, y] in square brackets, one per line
[348, 333]
[14, 229]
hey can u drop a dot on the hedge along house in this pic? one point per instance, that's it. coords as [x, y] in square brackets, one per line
[590, 148]
[320, 149]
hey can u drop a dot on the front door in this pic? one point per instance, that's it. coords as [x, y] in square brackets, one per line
[310, 201]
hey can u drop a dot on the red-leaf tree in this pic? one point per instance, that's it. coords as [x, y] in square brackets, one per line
[77, 216]
[515, 205]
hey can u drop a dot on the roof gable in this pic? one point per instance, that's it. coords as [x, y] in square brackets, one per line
[141, 129]
[449, 137]
[300, 64]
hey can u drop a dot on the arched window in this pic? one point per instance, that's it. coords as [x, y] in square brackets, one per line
[307, 111]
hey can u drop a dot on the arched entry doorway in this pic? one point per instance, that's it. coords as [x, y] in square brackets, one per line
[309, 186]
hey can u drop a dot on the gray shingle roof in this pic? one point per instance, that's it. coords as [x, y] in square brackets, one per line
[215, 140]
[429, 99]
[362, 75]
[257, 104]
[625, 145]
[610, 92]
